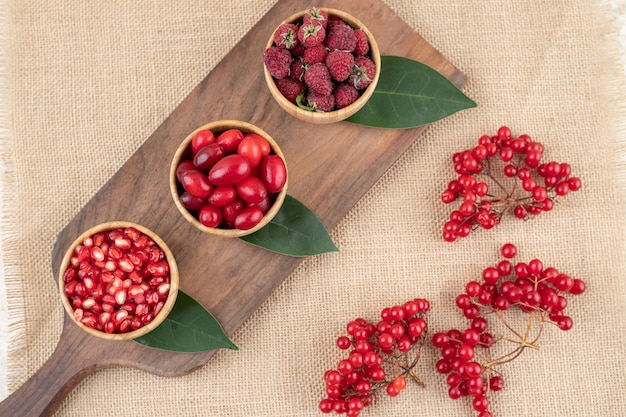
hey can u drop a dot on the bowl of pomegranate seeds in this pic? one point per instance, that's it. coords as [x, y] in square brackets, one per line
[118, 280]
[321, 65]
[228, 178]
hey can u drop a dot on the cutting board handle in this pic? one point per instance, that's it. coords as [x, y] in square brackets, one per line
[42, 394]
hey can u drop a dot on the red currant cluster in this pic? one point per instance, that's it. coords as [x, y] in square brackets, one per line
[468, 357]
[381, 356]
[487, 197]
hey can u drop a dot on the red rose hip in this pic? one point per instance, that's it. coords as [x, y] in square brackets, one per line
[196, 183]
[248, 218]
[251, 190]
[273, 173]
[229, 171]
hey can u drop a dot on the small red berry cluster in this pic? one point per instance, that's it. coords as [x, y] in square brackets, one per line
[530, 187]
[381, 356]
[320, 63]
[467, 357]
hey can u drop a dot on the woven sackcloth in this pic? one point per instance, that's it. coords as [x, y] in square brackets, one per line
[89, 81]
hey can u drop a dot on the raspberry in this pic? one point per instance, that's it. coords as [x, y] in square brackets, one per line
[334, 21]
[345, 94]
[277, 61]
[341, 37]
[311, 34]
[363, 73]
[297, 69]
[321, 103]
[340, 64]
[362, 47]
[315, 54]
[315, 16]
[290, 88]
[286, 35]
[317, 78]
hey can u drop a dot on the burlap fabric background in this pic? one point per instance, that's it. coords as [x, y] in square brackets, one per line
[90, 80]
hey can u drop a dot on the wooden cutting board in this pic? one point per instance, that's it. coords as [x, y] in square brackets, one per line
[330, 168]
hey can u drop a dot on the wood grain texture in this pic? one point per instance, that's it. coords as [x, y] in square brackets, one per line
[330, 169]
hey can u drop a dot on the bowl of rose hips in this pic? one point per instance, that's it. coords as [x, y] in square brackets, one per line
[118, 280]
[321, 65]
[228, 178]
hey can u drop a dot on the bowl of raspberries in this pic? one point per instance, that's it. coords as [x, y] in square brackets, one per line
[321, 65]
[228, 178]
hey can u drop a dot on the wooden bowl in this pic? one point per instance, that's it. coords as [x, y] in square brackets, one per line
[336, 115]
[169, 302]
[184, 149]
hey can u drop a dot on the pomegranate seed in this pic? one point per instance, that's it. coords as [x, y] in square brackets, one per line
[84, 253]
[69, 275]
[155, 281]
[127, 283]
[103, 318]
[76, 303]
[156, 255]
[89, 283]
[74, 261]
[88, 241]
[119, 316]
[147, 318]
[142, 242]
[105, 247]
[122, 243]
[132, 233]
[135, 290]
[97, 308]
[81, 290]
[109, 266]
[141, 309]
[116, 234]
[107, 277]
[158, 269]
[108, 298]
[78, 314]
[89, 321]
[115, 253]
[108, 307]
[134, 259]
[120, 297]
[70, 288]
[99, 264]
[135, 277]
[97, 254]
[124, 326]
[130, 307]
[163, 289]
[125, 265]
[88, 303]
[109, 327]
[98, 239]
[158, 307]
[136, 323]
[152, 297]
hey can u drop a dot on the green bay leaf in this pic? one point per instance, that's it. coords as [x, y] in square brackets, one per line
[294, 231]
[410, 94]
[188, 328]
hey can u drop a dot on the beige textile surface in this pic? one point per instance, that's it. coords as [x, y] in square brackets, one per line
[90, 80]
